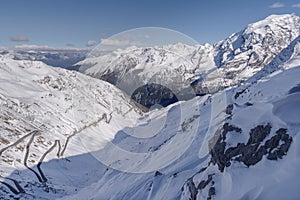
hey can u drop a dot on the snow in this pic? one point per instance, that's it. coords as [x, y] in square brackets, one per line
[237, 182]
[238, 58]
[114, 151]
[288, 109]
[57, 104]
[271, 21]
[270, 105]
[174, 66]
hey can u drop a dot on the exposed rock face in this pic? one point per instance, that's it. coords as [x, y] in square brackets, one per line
[253, 151]
[249, 153]
[154, 94]
[201, 186]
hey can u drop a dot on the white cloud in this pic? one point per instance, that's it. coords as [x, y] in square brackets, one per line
[44, 48]
[19, 38]
[277, 5]
[91, 43]
[119, 42]
[297, 5]
[114, 42]
[25, 46]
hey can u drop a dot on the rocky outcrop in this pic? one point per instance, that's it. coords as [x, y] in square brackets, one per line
[253, 151]
[260, 143]
[154, 94]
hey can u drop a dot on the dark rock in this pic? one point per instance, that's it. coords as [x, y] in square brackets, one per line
[252, 152]
[259, 133]
[204, 183]
[217, 155]
[192, 188]
[217, 152]
[157, 173]
[211, 192]
[229, 109]
[237, 94]
[154, 94]
[229, 128]
[275, 150]
[248, 104]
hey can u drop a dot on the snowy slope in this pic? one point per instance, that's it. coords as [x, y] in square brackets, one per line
[252, 153]
[254, 148]
[42, 110]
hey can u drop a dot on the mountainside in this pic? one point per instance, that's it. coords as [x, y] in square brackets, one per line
[250, 150]
[66, 135]
[43, 109]
[178, 67]
[245, 53]
[255, 155]
[173, 66]
[209, 147]
[254, 130]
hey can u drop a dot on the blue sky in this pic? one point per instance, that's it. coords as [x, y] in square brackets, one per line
[59, 23]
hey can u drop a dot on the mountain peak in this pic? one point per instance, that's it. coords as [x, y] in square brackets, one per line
[271, 34]
[274, 22]
[276, 17]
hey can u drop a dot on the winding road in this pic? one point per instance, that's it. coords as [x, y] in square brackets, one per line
[18, 141]
[40, 174]
[19, 189]
[26, 158]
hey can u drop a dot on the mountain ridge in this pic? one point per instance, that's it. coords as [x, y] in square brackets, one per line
[234, 60]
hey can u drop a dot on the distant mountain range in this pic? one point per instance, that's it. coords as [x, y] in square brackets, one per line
[57, 57]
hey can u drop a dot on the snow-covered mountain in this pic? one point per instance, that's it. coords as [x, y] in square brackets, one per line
[249, 151]
[65, 135]
[255, 155]
[43, 110]
[245, 53]
[173, 66]
[179, 66]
